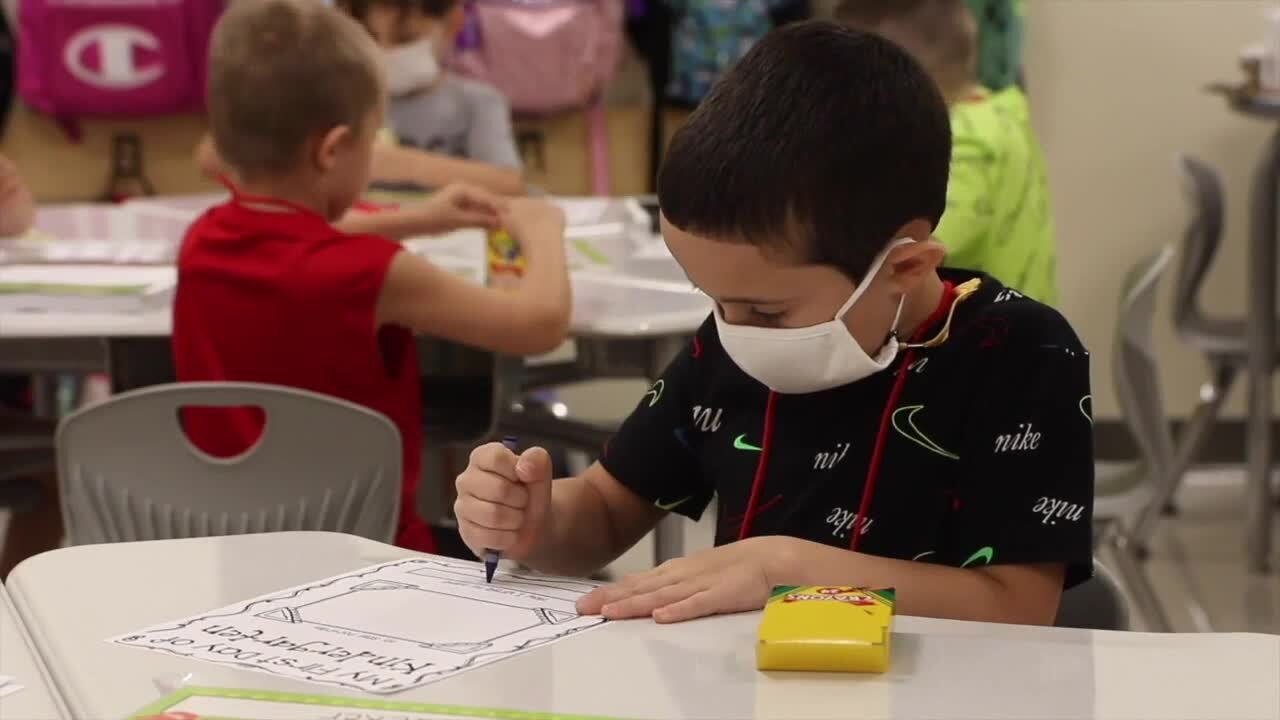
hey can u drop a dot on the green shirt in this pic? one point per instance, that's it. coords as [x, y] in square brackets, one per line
[998, 217]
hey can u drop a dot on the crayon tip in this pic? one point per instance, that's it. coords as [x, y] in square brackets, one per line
[490, 565]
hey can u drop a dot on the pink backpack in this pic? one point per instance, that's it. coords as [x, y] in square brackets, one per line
[544, 55]
[114, 58]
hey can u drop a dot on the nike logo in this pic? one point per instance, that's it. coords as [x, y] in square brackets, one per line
[1087, 412]
[683, 439]
[907, 415]
[984, 554]
[740, 443]
[655, 392]
[668, 507]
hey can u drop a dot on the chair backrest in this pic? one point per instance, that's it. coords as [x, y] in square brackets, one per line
[1095, 604]
[128, 471]
[1201, 240]
[1135, 370]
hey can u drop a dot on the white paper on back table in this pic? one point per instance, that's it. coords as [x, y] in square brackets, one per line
[86, 288]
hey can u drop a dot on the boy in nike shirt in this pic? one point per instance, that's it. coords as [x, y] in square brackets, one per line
[861, 415]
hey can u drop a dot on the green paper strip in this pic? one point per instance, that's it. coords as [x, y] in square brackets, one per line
[160, 707]
[65, 289]
[590, 252]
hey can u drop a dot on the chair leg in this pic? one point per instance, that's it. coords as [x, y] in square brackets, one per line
[1133, 575]
[1190, 444]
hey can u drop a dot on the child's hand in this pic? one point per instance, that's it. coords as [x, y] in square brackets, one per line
[461, 206]
[17, 207]
[534, 223]
[207, 159]
[503, 500]
[728, 579]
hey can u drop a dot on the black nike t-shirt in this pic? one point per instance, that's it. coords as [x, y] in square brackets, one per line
[988, 458]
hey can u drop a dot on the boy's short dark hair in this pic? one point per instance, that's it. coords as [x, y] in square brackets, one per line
[821, 139]
[431, 8]
[941, 34]
[282, 71]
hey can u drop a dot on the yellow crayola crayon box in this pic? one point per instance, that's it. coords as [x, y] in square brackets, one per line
[826, 629]
[504, 254]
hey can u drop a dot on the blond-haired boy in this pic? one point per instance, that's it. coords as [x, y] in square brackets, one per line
[270, 291]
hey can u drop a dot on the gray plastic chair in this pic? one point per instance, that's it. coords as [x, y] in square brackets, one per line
[1095, 604]
[1222, 339]
[127, 471]
[1123, 493]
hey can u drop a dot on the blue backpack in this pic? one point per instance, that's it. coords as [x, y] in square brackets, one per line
[710, 36]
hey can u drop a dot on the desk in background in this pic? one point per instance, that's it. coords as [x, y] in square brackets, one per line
[1264, 234]
[631, 315]
[702, 670]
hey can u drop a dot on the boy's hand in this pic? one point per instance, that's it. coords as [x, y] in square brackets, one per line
[461, 206]
[729, 579]
[534, 224]
[503, 500]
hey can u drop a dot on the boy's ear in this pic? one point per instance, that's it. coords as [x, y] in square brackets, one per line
[331, 143]
[909, 262]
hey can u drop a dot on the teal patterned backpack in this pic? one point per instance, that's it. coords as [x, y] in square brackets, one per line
[1000, 33]
[709, 37]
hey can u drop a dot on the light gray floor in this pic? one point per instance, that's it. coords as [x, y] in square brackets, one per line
[1197, 566]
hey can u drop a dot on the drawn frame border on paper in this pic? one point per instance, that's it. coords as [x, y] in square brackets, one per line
[158, 708]
[290, 593]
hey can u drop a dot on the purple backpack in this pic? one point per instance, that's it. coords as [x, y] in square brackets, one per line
[546, 56]
[114, 58]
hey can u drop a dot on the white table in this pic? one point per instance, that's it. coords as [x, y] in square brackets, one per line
[35, 701]
[703, 670]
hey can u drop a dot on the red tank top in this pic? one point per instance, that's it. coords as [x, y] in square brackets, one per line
[283, 297]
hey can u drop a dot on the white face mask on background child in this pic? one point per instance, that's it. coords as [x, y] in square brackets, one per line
[412, 67]
[810, 359]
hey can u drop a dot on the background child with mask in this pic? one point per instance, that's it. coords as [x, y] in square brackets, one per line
[999, 219]
[431, 108]
[861, 416]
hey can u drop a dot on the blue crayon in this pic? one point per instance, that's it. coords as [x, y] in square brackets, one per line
[491, 557]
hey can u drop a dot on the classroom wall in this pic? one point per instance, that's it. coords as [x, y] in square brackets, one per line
[1117, 92]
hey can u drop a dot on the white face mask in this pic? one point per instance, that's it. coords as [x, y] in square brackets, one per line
[810, 359]
[411, 67]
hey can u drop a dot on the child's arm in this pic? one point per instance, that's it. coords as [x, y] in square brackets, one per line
[395, 164]
[17, 206]
[575, 525]
[531, 318]
[740, 576]
[454, 207]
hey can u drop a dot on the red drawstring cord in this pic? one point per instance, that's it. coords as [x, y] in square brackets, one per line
[882, 436]
[762, 467]
[877, 453]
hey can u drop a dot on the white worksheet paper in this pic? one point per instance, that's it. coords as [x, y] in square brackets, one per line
[383, 629]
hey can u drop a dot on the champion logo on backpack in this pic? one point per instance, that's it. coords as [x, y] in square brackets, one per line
[114, 57]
